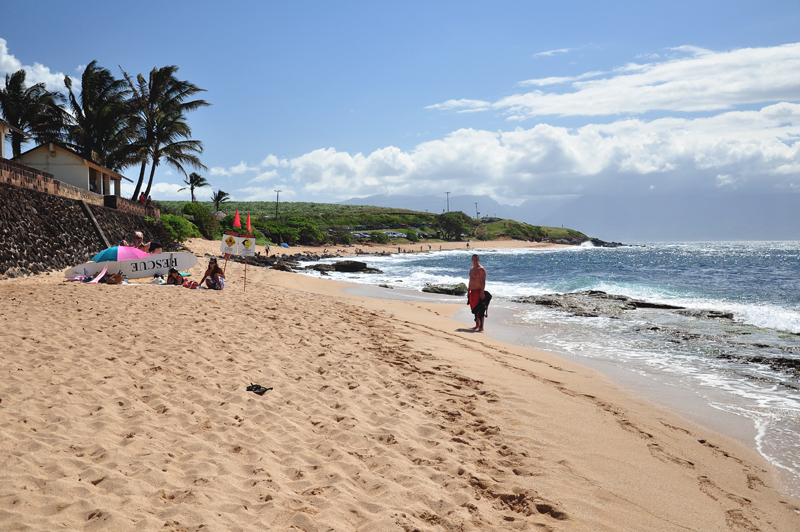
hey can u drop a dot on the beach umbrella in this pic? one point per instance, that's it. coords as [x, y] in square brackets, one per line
[118, 253]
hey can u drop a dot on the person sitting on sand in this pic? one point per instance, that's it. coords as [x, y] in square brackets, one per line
[215, 275]
[174, 277]
[156, 248]
[139, 243]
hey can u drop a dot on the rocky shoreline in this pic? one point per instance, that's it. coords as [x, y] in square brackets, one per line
[597, 304]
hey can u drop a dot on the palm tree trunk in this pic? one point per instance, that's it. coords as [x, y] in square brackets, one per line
[150, 182]
[135, 196]
[16, 144]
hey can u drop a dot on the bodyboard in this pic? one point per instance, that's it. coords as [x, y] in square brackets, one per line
[158, 264]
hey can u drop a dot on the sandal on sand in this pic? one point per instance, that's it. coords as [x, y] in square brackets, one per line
[257, 389]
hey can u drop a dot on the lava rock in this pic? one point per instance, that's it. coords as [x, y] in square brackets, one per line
[450, 289]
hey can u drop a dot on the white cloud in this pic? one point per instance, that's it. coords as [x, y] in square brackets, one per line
[553, 52]
[757, 149]
[542, 82]
[242, 168]
[265, 177]
[263, 194]
[726, 180]
[694, 50]
[705, 81]
[462, 106]
[218, 171]
[36, 73]
[271, 160]
[170, 190]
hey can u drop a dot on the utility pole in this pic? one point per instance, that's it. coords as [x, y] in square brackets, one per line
[277, 197]
[476, 210]
[448, 201]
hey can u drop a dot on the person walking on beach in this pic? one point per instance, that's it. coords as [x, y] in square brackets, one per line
[475, 294]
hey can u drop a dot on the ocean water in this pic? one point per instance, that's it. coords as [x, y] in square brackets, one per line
[748, 366]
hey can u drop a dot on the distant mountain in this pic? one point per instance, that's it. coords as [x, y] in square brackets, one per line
[671, 218]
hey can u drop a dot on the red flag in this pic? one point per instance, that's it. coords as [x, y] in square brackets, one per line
[236, 221]
[249, 231]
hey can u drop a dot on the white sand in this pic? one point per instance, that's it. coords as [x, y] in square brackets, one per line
[124, 408]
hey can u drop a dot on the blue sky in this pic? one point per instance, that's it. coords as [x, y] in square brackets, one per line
[332, 100]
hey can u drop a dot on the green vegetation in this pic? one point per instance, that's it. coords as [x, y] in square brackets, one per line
[379, 238]
[203, 219]
[179, 228]
[454, 224]
[321, 224]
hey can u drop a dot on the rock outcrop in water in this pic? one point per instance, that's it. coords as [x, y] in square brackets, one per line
[594, 304]
[596, 242]
[450, 289]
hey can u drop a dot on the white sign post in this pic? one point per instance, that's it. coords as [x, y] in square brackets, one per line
[229, 246]
[244, 245]
[247, 248]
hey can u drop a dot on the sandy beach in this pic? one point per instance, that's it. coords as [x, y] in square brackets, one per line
[207, 246]
[125, 408]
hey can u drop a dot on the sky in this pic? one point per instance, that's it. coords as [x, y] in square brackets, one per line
[327, 101]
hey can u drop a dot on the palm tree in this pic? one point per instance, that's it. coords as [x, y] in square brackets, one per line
[33, 109]
[99, 130]
[219, 198]
[159, 105]
[194, 181]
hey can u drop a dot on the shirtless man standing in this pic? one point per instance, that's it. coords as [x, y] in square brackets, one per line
[477, 283]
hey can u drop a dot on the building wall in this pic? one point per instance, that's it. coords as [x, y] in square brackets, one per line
[3, 131]
[14, 173]
[67, 167]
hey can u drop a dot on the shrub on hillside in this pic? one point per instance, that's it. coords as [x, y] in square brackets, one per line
[308, 233]
[179, 228]
[519, 231]
[203, 219]
[453, 224]
[412, 236]
[379, 238]
[341, 237]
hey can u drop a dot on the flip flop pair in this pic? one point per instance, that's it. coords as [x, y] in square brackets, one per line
[257, 389]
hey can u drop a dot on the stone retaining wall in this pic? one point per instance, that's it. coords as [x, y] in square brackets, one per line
[131, 207]
[42, 232]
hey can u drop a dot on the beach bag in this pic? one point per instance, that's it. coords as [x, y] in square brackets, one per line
[114, 278]
[192, 285]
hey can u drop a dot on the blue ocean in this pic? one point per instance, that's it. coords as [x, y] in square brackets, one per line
[747, 367]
